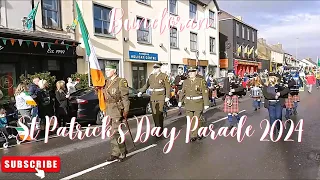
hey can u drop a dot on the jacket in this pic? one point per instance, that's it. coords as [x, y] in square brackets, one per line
[268, 96]
[3, 122]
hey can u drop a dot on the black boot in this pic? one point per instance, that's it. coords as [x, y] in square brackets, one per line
[112, 158]
[230, 127]
[200, 137]
[122, 157]
[193, 139]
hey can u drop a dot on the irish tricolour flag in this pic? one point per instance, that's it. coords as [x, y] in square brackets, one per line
[97, 77]
[29, 100]
[23, 135]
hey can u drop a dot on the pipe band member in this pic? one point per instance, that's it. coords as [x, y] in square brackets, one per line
[195, 96]
[274, 101]
[289, 83]
[159, 86]
[294, 91]
[231, 103]
[212, 85]
[116, 94]
[256, 91]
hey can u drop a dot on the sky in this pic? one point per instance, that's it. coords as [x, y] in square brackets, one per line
[294, 24]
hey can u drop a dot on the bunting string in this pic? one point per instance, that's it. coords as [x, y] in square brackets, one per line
[35, 43]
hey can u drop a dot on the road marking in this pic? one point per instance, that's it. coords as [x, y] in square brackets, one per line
[225, 118]
[105, 163]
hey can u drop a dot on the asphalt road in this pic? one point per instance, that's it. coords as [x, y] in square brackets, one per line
[222, 158]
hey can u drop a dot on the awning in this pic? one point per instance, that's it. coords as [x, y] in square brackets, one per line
[243, 62]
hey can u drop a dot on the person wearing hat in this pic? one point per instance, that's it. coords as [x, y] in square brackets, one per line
[116, 94]
[273, 93]
[195, 96]
[178, 81]
[159, 86]
[231, 90]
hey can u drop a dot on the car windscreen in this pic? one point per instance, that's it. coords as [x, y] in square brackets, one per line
[82, 92]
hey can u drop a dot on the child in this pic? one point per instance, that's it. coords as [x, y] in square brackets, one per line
[3, 124]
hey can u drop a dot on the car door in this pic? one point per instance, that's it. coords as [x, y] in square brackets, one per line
[133, 97]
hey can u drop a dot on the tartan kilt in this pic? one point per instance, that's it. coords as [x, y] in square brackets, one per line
[235, 105]
[296, 98]
[289, 102]
[214, 93]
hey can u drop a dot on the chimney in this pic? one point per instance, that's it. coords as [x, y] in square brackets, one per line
[239, 17]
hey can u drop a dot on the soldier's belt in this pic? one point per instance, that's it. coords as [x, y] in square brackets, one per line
[274, 100]
[194, 98]
[162, 89]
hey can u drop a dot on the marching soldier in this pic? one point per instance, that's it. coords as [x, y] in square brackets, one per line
[195, 96]
[159, 86]
[231, 104]
[116, 93]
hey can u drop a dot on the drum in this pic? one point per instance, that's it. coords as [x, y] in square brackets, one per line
[256, 92]
[296, 86]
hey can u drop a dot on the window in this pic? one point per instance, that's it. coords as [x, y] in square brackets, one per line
[253, 35]
[193, 42]
[212, 43]
[242, 31]
[237, 47]
[237, 30]
[51, 15]
[248, 34]
[211, 19]
[193, 11]
[101, 19]
[174, 37]
[144, 1]
[173, 6]
[144, 32]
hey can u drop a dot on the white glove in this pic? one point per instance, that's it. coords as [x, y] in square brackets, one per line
[180, 83]
[167, 99]
[278, 94]
[179, 104]
[67, 96]
[206, 107]
[139, 94]
[230, 93]
[232, 90]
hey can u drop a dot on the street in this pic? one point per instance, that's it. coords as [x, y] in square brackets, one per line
[222, 158]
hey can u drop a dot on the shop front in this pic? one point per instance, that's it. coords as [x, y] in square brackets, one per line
[140, 63]
[242, 67]
[202, 65]
[23, 54]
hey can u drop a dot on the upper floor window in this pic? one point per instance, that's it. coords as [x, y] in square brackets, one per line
[174, 37]
[248, 34]
[237, 29]
[212, 43]
[192, 10]
[193, 41]
[242, 31]
[101, 19]
[51, 14]
[253, 36]
[144, 31]
[144, 1]
[173, 6]
[211, 19]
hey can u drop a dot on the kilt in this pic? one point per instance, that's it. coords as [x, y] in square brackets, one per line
[289, 102]
[214, 93]
[296, 98]
[235, 105]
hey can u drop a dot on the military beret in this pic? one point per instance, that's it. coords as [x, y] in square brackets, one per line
[111, 67]
[157, 65]
[230, 71]
[192, 68]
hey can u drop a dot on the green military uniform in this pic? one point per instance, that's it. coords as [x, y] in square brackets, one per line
[195, 96]
[116, 93]
[159, 87]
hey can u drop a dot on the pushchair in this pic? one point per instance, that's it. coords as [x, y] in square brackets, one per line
[12, 134]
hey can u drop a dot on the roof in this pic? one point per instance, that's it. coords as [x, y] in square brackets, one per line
[229, 16]
[35, 34]
[276, 49]
[207, 2]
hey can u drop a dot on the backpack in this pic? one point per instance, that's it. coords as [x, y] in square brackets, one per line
[45, 98]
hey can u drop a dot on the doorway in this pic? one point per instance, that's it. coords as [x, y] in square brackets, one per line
[139, 75]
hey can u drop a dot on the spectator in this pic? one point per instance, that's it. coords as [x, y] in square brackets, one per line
[33, 91]
[318, 78]
[311, 80]
[71, 86]
[24, 102]
[62, 103]
[45, 106]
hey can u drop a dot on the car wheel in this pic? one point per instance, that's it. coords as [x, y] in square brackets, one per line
[100, 117]
[148, 109]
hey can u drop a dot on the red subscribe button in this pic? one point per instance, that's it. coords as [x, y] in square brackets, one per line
[30, 163]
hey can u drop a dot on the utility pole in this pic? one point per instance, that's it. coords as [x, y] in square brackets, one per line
[297, 48]
[169, 41]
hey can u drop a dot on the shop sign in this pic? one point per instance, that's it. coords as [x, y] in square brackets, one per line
[236, 63]
[143, 56]
[57, 51]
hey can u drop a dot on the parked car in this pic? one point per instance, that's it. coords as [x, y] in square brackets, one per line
[84, 105]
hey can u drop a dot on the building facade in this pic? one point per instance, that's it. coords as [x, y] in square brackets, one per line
[264, 54]
[238, 44]
[46, 47]
[277, 56]
[135, 51]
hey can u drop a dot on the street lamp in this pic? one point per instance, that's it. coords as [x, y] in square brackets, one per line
[297, 48]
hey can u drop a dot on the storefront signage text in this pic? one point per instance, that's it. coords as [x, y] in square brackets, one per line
[143, 56]
[50, 51]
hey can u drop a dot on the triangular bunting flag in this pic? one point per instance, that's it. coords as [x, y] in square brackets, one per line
[28, 42]
[49, 45]
[20, 41]
[67, 46]
[4, 41]
[42, 44]
[56, 42]
[12, 41]
[62, 42]
[35, 43]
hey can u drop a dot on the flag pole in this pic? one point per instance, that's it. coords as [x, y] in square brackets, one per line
[89, 79]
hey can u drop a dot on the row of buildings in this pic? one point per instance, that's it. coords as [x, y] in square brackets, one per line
[55, 45]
